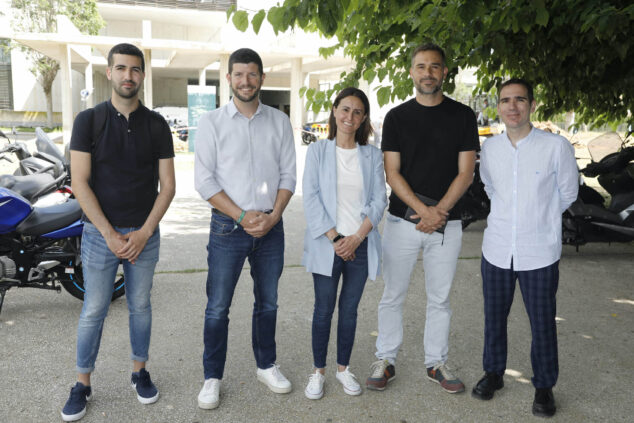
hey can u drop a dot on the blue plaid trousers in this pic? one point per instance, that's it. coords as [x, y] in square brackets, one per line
[538, 289]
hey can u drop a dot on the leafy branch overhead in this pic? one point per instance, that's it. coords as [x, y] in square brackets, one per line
[578, 52]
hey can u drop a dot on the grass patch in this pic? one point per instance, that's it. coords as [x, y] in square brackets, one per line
[170, 272]
[187, 271]
[29, 129]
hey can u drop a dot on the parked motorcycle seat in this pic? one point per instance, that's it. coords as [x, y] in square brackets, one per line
[594, 212]
[621, 201]
[29, 185]
[48, 219]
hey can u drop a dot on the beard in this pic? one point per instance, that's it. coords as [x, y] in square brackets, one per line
[244, 99]
[123, 93]
[422, 90]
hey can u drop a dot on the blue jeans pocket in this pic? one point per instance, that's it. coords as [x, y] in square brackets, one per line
[150, 252]
[222, 226]
[94, 249]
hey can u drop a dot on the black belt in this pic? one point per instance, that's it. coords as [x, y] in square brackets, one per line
[219, 213]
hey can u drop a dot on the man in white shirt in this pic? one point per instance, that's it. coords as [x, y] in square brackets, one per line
[531, 177]
[245, 168]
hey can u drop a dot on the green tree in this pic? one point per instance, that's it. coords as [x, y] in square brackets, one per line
[577, 52]
[41, 16]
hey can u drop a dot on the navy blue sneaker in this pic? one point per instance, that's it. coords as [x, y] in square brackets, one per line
[146, 392]
[75, 407]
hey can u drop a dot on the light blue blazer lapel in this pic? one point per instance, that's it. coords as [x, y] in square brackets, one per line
[365, 160]
[329, 190]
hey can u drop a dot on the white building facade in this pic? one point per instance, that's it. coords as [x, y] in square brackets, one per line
[184, 43]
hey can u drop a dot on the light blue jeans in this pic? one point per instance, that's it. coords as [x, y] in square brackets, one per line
[100, 269]
[401, 246]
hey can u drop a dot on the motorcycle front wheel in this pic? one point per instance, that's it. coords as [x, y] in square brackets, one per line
[74, 283]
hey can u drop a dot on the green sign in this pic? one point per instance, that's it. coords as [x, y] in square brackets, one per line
[200, 100]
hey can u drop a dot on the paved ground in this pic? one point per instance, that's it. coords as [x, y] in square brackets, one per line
[595, 321]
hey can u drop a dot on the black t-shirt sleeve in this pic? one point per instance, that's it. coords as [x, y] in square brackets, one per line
[81, 138]
[390, 134]
[166, 142]
[471, 140]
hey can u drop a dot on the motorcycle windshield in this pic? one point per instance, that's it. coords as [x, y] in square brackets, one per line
[44, 144]
[603, 145]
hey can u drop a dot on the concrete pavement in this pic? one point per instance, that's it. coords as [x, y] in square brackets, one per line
[595, 322]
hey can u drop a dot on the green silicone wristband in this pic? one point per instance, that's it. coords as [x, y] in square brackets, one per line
[241, 216]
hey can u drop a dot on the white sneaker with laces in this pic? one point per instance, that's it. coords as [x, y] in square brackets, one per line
[274, 379]
[209, 396]
[349, 381]
[315, 388]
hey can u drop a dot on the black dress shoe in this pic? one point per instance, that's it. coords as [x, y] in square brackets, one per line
[487, 386]
[544, 403]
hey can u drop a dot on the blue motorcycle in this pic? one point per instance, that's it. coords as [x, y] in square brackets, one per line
[40, 247]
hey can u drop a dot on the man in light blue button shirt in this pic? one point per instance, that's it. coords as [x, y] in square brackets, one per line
[531, 178]
[245, 168]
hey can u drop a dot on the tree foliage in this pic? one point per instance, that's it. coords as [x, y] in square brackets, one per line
[41, 16]
[577, 52]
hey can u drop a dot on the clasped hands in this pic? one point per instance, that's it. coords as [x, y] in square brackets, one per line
[346, 247]
[431, 218]
[257, 223]
[127, 246]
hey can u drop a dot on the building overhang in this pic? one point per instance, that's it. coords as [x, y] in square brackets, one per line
[192, 56]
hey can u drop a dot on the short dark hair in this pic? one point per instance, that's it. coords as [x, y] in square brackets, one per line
[364, 131]
[246, 56]
[125, 48]
[519, 81]
[429, 47]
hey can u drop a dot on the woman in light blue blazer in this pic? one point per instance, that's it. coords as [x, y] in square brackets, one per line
[344, 201]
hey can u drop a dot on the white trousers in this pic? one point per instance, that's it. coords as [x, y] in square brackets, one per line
[401, 245]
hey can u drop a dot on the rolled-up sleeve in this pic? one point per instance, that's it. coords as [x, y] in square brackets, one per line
[317, 220]
[378, 200]
[567, 175]
[288, 165]
[205, 158]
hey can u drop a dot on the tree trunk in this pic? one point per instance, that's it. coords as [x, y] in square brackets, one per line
[49, 109]
[47, 71]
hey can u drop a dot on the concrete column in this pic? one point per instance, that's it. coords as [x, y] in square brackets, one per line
[147, 86]
[90, 101]
[202, 77]
[148, 97]
[67, 92]
[310, 81]
[297, 102]
[224, 88]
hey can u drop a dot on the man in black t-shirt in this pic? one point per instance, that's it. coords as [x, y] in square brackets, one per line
[120, 153]
[429, 146]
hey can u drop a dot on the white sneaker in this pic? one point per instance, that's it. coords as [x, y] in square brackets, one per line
[349, 382]
[209, 396]
[274, 379]
[315, 388]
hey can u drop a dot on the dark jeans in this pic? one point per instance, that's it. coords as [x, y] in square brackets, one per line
[538, 289]
[228, 248]
[355, 274]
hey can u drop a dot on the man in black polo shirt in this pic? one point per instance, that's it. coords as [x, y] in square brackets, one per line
[120, 153]
[429, 145]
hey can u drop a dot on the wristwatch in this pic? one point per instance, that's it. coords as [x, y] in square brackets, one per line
[337, 238]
